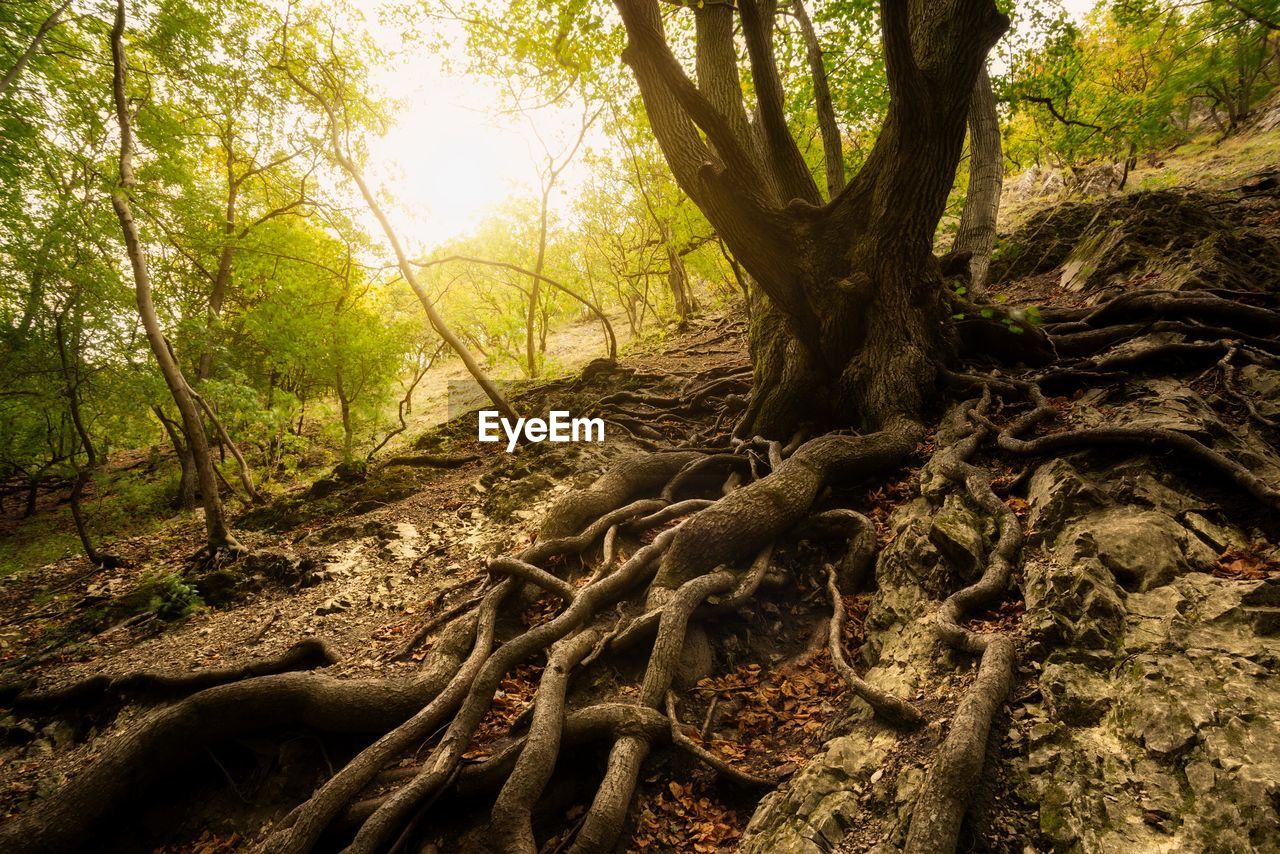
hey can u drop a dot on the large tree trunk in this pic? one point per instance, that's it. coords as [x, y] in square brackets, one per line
[218, 535]
[977, 232]
[850, 327]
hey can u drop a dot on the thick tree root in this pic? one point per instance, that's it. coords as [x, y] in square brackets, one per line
[938, 812]
[302, 828]
[384, 826]
[1153, 438]
[748, 519]
[137, 759]
[635, 475]
[607, 815]
[307, 654]
[512, 823]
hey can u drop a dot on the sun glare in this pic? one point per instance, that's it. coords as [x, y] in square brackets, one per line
[457, 149]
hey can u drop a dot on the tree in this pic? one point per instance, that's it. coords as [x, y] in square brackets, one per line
[33, 46]
[331, 94]
[976, 234]
[853, 300]
[219, 537]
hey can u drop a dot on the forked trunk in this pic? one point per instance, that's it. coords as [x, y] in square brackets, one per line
[850, 325]
[880, 357]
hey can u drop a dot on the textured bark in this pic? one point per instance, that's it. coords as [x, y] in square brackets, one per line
[977, 231]
[832, 146]
[850, 326]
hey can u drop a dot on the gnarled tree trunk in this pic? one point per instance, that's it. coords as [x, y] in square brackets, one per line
[851, 326]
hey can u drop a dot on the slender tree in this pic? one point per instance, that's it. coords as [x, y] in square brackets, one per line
[219, 536]
[32, 48]
[330, 100]
[976, 234]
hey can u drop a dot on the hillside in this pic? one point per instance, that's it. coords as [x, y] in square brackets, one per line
[1142, 712]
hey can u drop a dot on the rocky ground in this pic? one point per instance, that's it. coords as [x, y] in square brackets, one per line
[1144, 712]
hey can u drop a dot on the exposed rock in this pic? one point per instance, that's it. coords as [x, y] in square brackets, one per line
[1173, 744]
[1218, 537]
[333, 605]
[1155, 402]
[1263, 386]
[1076, 604]
[1142, 548]
[813, 811]
[957, 532]
[1057, 493]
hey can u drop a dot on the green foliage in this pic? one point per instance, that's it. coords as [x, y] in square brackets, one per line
[1135, 76]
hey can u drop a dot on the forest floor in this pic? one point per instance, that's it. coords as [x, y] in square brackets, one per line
[365, 563]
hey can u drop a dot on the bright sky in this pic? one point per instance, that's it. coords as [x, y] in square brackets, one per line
[454, 153]
[452, 156]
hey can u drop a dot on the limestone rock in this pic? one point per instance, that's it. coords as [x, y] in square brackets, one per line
[956, 531]
[1057, 493]
[1144, 549]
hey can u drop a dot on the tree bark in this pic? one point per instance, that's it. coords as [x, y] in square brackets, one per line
[186, 498]
[850, 326]
[218, 534]
[977, 232]
[832, 146]
[678, 281]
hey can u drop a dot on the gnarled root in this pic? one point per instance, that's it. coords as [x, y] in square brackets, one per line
[67, 820]
[748, 519]
[306, 654]
[634, 475]
[894, 710]
[935, 820]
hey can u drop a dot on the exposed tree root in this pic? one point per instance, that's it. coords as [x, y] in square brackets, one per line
[137, 759]
[158, 684]
[512, 823]
[633, 476]
[713, 561]
[940, 808]
[608, 810]
[683, 741]
[748, 519]
[1153, 438]
[384, 826]
[893, 710]
[302, 828]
